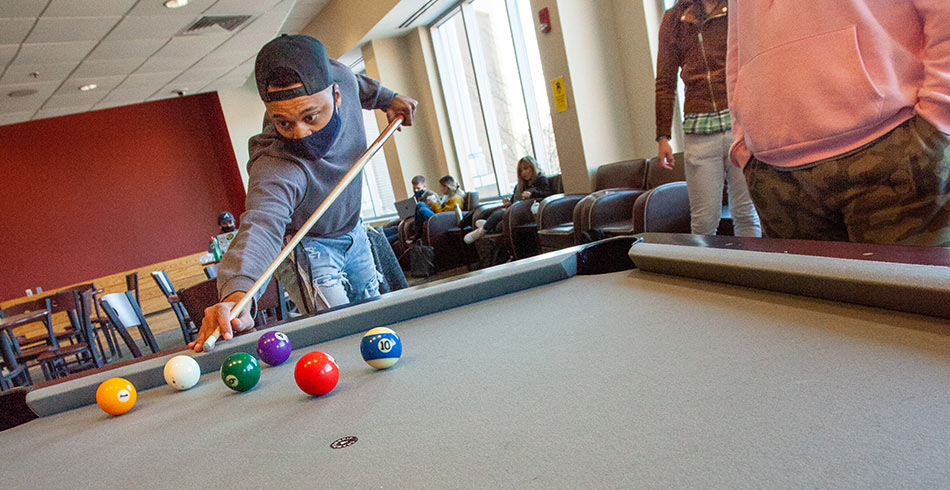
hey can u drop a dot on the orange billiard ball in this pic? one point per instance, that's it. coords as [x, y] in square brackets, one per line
[115, 396]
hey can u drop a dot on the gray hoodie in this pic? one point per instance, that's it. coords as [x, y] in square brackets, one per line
[283, 190]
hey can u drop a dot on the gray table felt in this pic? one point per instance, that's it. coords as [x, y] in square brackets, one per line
[625, 380]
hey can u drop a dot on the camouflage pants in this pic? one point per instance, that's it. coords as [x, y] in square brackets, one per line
[894, 190]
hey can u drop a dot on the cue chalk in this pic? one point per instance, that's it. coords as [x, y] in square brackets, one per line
[312, 220]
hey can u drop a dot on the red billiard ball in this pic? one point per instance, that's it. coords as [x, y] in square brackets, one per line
[316, 373]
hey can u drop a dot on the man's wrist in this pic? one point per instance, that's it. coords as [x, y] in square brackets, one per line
[661, 138]
[234, 296]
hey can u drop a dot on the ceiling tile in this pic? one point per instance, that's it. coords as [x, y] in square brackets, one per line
[250, 40]
[164, 94]
[150, 27]
[311, 4]
[302, 17]
[294, 26]
[127, 96]
[23, 8]
[159, 65]
[15, 117]
[191, 47]
[63, 29]
[192, 77]
[61, 111]
[108, 105]
[87, 8]
[243, 70]
[239, 7]
[44, 73]
[28, 103]
[14, 31]
[7, 52]
[150, 81]
[103, 84]
[119, 66]
[78, 98]
[224, 83]
[110, 49]
[216, 59]
[51, 53]
[155, 7]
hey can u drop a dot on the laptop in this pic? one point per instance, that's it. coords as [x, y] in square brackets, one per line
[406, 208]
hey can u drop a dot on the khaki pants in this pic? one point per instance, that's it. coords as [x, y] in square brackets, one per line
[895, 190]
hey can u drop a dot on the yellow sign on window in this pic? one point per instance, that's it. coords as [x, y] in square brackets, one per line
[560, 94]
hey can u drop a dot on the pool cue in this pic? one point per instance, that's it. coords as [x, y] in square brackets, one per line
[317, 214]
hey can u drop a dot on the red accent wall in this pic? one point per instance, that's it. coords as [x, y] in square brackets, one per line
[88, 195]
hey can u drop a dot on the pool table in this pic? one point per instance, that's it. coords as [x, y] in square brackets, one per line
[735, 364]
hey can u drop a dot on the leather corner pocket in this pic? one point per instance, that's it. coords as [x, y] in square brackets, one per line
[806, 90]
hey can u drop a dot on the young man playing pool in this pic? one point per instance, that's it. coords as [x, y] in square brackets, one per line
[313, 134]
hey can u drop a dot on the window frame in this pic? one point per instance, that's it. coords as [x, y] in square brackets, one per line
[369, 181]
[448, 72]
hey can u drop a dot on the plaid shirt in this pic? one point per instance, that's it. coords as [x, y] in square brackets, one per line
[707, 122]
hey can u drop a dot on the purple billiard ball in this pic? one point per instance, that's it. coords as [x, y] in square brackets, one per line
[273, 348]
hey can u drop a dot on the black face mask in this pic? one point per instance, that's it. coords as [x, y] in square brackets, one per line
[419, 193]
[317, 145]
[227, 229]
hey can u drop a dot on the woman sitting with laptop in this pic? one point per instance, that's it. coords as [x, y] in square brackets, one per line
[452, 196]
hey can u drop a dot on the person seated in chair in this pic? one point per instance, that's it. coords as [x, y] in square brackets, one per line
[226, 222]
[226, 225]
[420, 190]
[532, 184]
[452, 196]
[422, 194]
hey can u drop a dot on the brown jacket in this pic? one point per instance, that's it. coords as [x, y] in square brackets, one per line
[699, 48]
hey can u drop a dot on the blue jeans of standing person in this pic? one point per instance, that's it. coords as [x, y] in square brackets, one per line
[707, 168]
[342, 268]
[423, 212]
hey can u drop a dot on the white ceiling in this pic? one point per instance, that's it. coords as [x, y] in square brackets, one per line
[396, 23]
[133, 50]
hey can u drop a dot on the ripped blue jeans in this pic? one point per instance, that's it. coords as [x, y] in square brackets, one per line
[342, 268]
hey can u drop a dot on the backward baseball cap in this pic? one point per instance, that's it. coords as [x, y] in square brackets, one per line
[301, 54]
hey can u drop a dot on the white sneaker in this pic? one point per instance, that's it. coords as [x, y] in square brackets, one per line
[480, 223]
[472, 236]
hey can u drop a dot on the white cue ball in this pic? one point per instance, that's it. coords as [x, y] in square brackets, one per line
[182, 372]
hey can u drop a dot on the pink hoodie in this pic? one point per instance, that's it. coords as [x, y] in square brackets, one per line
[812, 79]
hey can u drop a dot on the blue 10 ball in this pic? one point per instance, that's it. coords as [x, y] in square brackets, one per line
[381, 348]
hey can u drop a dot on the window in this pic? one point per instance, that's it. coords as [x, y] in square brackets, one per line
[495, 92]
[378, 197]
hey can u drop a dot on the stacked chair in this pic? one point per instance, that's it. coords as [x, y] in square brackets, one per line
[58, 353]
[124, 313]
[188, 328]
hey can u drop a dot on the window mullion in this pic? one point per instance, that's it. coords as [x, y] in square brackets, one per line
[527, 88]
[485, 97]
[449, 72]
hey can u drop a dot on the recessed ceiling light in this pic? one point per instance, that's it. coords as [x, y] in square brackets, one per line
[174, 4]
[22, 92]
[86, 88]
